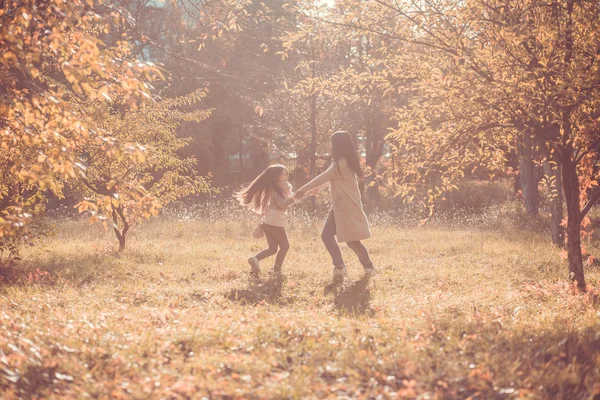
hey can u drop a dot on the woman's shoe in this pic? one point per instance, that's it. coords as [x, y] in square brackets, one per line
[370, 271]
[340, 272]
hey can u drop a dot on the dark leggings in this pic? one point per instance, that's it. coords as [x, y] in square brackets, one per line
[276, 238]
[328, 237]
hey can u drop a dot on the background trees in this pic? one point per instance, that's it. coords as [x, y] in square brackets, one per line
[493, 75]
[460, 90]
[73, 112]
[52, 53]
[124, 190]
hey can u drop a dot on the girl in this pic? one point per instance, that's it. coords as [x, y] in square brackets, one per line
[346, 218]
[269, 195]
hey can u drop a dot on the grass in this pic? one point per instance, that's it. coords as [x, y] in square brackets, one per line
[452, 314]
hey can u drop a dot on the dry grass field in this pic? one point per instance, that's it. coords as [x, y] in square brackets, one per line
[452, 314]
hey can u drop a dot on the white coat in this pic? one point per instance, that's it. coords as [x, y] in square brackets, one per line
[350, 220]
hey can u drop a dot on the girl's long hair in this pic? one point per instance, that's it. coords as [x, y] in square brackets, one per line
[257, 194]
[342, 147]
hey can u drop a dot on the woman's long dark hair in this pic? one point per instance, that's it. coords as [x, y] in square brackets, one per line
[257, 194]
[342, 147]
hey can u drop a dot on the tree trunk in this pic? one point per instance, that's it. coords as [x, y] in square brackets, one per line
[571, 189]
[528, 174]
[122, 239]
[553, 174]
[313, 136]
[241, 153]
[313, 143]
[373, 154]
[117, 213]
[219, 157]
[512, 161]
[570, 179]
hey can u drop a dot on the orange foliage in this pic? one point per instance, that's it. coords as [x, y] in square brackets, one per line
[50, 54]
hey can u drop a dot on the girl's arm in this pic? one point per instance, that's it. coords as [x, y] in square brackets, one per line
[281, 202]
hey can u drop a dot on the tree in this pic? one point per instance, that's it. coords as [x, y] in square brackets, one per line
[308, 113]
[488, 71]
[124, 189]
[51, 53]
[336, 83]
[228, 47]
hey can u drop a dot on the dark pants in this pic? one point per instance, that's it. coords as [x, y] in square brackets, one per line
[328, 237]
[276, 238]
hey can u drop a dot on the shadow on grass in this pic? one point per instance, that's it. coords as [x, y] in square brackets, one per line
[503, 363]
[353, 299]
[81, 269]
[269, 291]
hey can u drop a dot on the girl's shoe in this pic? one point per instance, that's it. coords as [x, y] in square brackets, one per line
[254, 268]
[339, 272]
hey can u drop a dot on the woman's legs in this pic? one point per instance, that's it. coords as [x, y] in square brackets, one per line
[276, 238]
[328, 238]
[363, 255]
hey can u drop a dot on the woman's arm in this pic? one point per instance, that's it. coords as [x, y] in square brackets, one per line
[320, 180]
[313, 192]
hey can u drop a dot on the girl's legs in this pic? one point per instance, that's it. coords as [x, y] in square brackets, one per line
[271, 241]
[328, 238]
[276, 237]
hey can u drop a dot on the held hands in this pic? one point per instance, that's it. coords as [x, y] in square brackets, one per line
[299, 194]
[302, 193]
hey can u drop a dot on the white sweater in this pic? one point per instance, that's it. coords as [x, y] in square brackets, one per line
[276, 212]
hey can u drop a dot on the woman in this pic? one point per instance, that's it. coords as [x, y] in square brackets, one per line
[346, 218]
